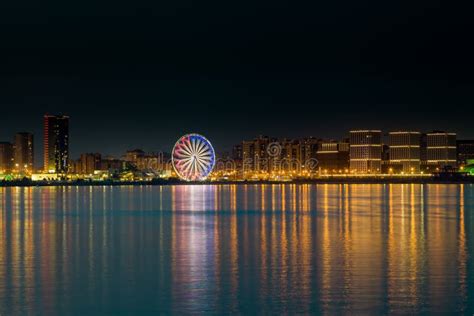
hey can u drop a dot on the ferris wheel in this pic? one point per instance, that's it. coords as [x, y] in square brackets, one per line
[193, 157]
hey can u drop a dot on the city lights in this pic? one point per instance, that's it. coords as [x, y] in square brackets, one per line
[364, 154]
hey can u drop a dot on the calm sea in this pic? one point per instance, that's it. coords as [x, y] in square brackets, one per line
[321, 249]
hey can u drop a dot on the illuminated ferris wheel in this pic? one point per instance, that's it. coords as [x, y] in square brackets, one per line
[193, 157]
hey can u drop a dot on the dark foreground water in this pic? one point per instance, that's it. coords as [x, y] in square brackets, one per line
[330, 249]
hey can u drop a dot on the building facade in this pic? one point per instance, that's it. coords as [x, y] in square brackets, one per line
[132, 156]
[248, 156]
[440, 151]
[88, 163]
[155, 162]
[365, 151]
[6, 157]
[291, 158]
[24, 153]
[333, 157]
[56, 144]
[112, 165]
[256, 156]
[465, 151]
[404, 151]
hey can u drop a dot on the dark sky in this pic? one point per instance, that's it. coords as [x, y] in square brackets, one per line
[141, 73]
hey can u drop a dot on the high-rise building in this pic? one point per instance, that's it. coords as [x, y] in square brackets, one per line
[6, 157]
[112, 165]
[255, 154]
[291, 159]
[465, 151]
[237, 152]
[333, 157]
[404, 151]
[365, 151]
[440, 150]
[56, 143]
[132, 156]
[248, 156]
[309, 148]
[261, 144]
[24, 153]
[89, 163]
[151, 162]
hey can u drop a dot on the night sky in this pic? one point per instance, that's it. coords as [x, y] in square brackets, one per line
[142, 73]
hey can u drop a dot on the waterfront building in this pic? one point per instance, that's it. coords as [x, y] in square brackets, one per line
[237, 156]
[257, 155]
[404, 151]
[75, 166]
[365, 151]
[148, 162]
[440, 150]
[290, 158]
[333, 157]
[112, 165]
[309, 148]
[465, 151]
[132, 156]
[55, 143]
[248, 153]
[386, 167]
[24, 153]
[154, 162]
[237, 152]
[6, 157]
[88, 163]
[261, 155]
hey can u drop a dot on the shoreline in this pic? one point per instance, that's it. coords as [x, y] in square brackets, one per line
[334, 180]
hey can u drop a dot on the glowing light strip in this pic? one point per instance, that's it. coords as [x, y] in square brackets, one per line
[366, 145]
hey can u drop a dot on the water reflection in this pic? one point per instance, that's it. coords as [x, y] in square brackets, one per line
[238, 248]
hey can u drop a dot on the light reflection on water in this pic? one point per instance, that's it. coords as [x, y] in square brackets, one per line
[237, 248]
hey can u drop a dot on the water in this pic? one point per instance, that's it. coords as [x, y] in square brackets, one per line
[320, 249]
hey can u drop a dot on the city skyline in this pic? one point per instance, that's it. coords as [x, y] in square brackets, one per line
[363, 151]
[236, 157]
[166, 146]
[309, 69]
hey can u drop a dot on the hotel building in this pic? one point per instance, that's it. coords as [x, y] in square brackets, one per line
[365, 151]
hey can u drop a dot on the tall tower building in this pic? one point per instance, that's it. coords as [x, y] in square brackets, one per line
[24, 152]
[291, 155]
[56, 143]
[366, 151]
[261, 153]
[248, 154]
[6, 157]
[404, 150]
